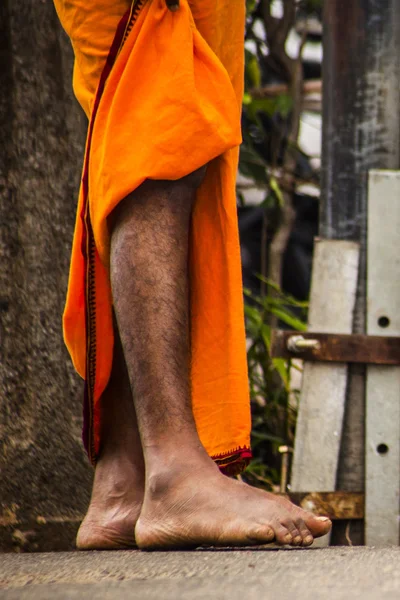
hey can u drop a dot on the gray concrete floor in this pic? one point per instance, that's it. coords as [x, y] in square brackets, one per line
[261, 574]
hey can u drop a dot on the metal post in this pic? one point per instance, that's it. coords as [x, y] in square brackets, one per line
[361, 131]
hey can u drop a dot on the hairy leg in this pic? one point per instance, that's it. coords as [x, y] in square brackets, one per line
[118, 486]
[187, 502]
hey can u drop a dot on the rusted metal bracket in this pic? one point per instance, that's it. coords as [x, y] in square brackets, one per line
[331, 347]
[335, 505]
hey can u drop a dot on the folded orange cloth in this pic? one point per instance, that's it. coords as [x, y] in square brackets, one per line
[163, 92]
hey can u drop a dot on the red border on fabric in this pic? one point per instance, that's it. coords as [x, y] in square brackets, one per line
[87, 433]
[233, 462]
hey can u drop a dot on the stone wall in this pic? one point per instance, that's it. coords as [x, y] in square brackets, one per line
[44, 474]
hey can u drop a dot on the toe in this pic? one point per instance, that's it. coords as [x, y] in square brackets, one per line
[317, 526]
[308, 540]
[297, 539]
[282, 534]
[264, 534]
[293, 529]
[306, 536]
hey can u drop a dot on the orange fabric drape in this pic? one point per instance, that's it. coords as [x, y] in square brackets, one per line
[168, 104]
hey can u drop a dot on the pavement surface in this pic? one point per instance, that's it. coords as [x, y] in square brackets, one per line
[334, 573]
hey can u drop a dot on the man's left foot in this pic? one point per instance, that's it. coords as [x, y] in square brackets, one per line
[114, 508]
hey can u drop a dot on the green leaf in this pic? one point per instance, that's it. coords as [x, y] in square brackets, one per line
[266, 336]
[274, 185]
[269, 202]
[267, 437]
[247, 99]
[261, 105]
[270, 106]
[289, 319]
[252, 165]
[284, 104]
[254, 320]
[286, 298]
[253, 71]
[250, 6]
[241, 198]
[269, 282]
[281, 366]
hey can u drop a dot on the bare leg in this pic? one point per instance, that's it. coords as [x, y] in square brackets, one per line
[187, 501]
[118, 485]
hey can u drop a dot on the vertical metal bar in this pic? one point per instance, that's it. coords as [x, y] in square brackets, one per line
[284, 472]
[383, 382]
[323, 390]
[361, 131]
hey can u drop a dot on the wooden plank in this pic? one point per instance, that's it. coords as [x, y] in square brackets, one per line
[335, 505]
[383, 382]
[356, 348]
[322, 399]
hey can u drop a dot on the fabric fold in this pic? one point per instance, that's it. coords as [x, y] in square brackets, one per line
[169, 103]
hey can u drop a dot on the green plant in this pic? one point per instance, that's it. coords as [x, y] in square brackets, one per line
[273, 399]
[268, 160]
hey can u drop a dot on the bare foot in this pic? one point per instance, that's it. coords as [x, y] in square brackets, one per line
[114, 509]
[201, 507]
[118, 486]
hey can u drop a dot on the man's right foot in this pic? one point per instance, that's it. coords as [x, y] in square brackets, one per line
[114, 508]
[196, 505]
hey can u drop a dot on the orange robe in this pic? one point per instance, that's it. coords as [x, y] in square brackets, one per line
[162, 91]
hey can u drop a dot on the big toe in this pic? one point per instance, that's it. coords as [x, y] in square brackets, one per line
[318, 526]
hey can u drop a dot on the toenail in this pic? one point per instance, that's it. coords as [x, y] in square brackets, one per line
[322, 519]
[297, 539]
[309, 539]
[288, 538]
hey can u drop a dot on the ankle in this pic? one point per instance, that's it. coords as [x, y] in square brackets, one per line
[119, 472]
[170, 470]
[173, 454]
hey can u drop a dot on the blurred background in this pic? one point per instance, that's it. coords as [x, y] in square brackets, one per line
[278, 202]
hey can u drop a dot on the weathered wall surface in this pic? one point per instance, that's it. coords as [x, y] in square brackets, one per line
[44, 475]
[361, 131]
